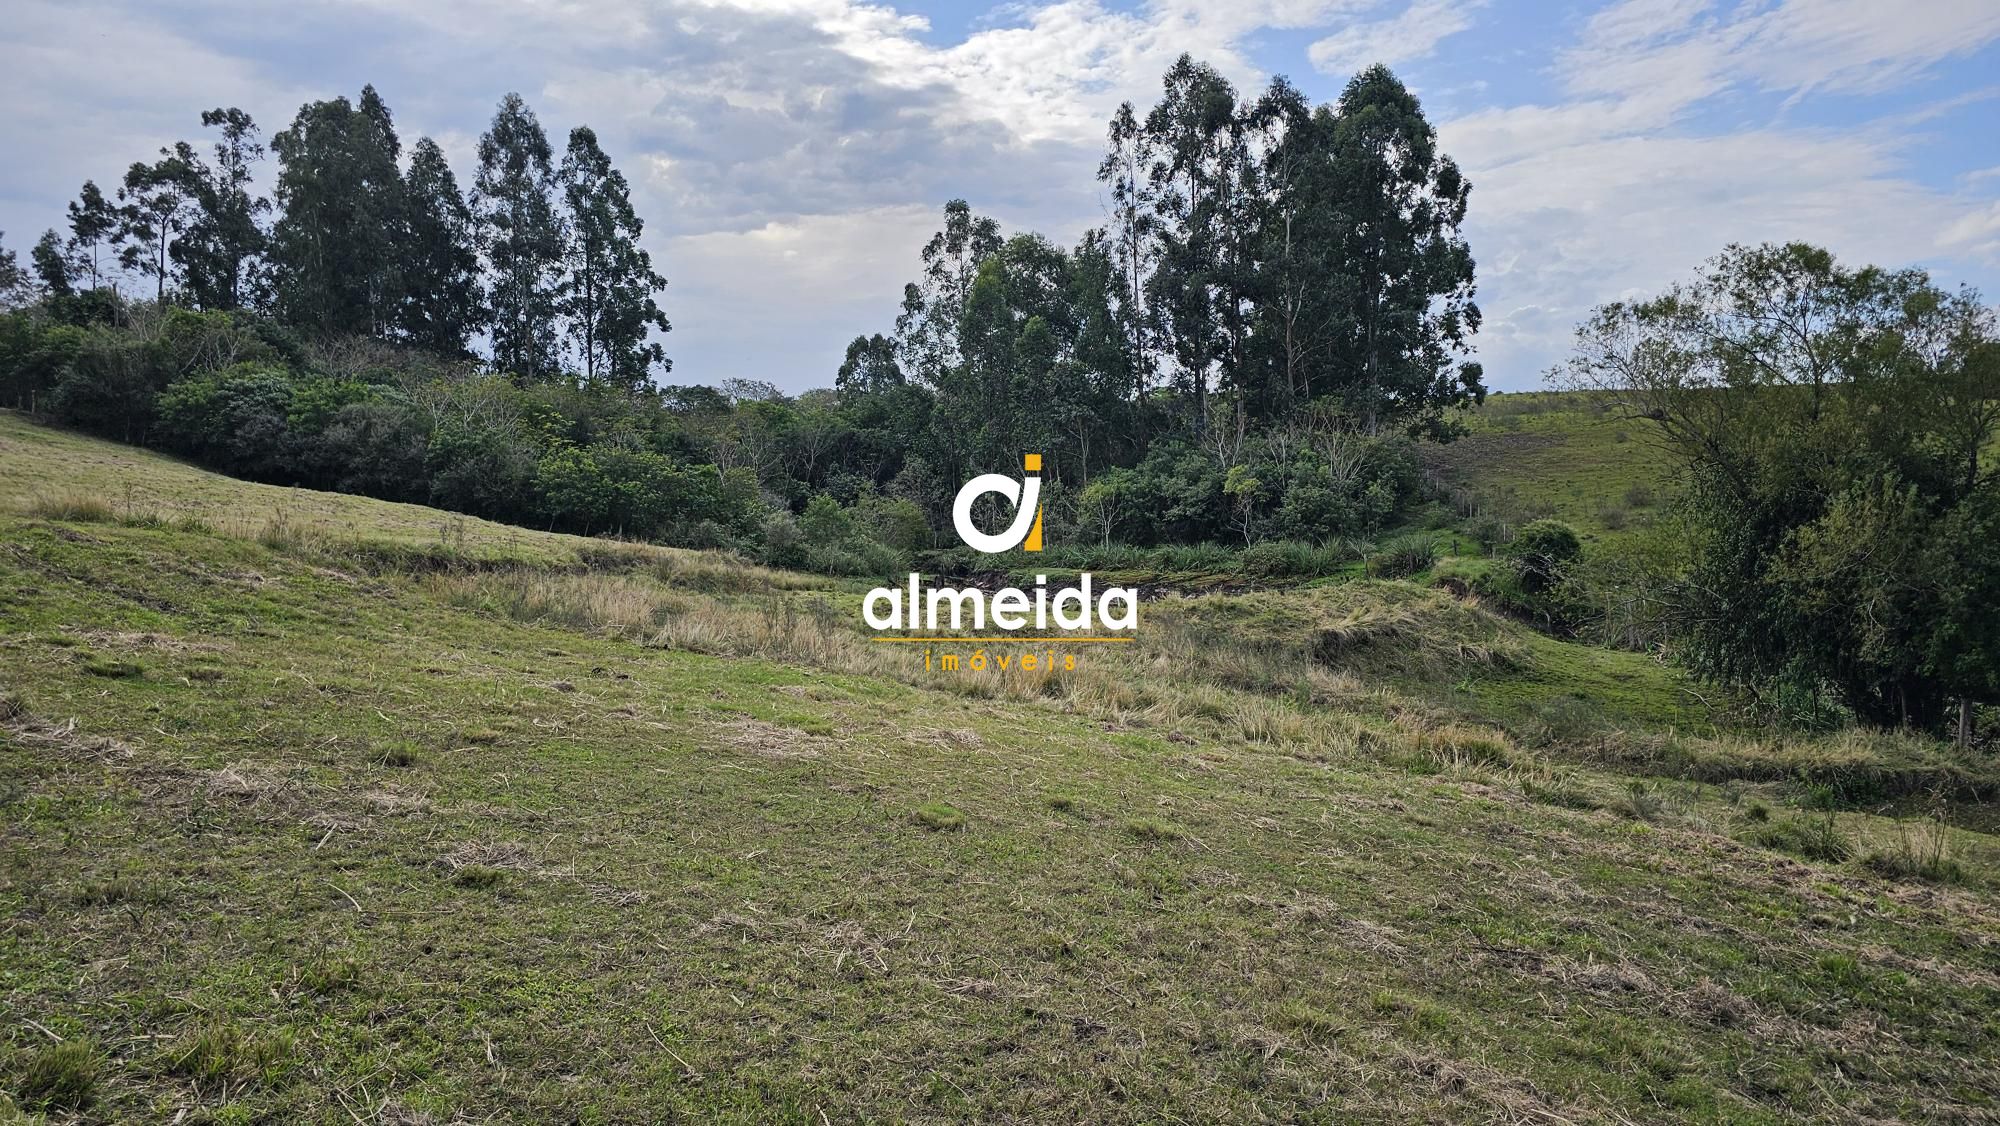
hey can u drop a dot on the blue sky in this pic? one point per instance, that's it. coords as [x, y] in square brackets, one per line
[790, 156]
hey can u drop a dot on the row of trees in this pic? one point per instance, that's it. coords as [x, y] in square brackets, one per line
[1267, 265]
[1280, 297]
[542, 256]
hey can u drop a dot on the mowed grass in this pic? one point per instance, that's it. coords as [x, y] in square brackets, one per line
[1563, 454]
[286, 839]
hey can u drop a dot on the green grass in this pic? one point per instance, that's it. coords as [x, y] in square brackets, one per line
[1560, 454]
[379, 843]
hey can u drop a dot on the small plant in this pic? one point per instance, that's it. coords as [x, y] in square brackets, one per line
[330, 975]
[1558, 787]
[1643, 803]
[398, 754]
[1813, 838]
[1491, 531]
[478, 877]
[1151, 829]
[61, 1076]
[939, 816]
[1062, 803]
[224, 1051]
[112, 669]
[12, 706]
[1639, 495]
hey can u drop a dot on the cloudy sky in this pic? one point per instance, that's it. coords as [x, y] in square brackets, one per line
[789, 156]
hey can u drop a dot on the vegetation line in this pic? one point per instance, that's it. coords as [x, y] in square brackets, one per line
[1007, 640]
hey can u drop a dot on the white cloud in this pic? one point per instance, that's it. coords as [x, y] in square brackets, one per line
[1615, 192]
[790, 156]
[1412, 34]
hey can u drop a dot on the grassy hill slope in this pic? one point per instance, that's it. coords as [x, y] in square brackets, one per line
[1560, 454]
[294, 828]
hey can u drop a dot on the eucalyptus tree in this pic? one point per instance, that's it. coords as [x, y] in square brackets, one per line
[1197, 137]
[927, 328]
[441, 306]
[158, 204]
[1127, 171]
[96, 232]
[610, 289]
[218, 253]
[522, 238]
[334, 248]
[1406, 313]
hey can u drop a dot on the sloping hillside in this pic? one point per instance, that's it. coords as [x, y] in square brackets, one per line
[1559, 454]
[298, 829]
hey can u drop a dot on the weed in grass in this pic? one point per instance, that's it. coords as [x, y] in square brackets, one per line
[119, 890]
[323, 976]
[1757, 811]
[113, 669]
[939, 816]
[1062, 803]
[1314, 1024]
[398, 754]
[223, 1051]
[1406, 555]
[1152, 829]
[60, 1076]
[1643, 803]
[1557, 786]
[479, 877]
[1813, 838]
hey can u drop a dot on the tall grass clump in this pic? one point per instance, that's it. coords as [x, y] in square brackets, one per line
[1921, 850]
[76, 508]
[1401, 556]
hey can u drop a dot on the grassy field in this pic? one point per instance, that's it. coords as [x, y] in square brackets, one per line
[500, 826]
[1560, 454]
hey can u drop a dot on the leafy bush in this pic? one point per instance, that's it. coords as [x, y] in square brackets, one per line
[1542, 553]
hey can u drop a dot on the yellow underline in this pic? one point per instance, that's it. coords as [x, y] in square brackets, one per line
[1008, 640]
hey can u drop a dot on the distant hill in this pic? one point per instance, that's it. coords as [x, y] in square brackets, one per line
[1562, 454]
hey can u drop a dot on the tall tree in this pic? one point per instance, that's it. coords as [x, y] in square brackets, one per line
[440, 266]
[1293, 261]
[610, 288]
[52, 265]
[1126, 169]
[95, 231]
[1195, 130]
[158, 205]
[927, 329]
[14, 284]
[218, 253]
[1406, 310]
[334, 247]
[522, 239]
